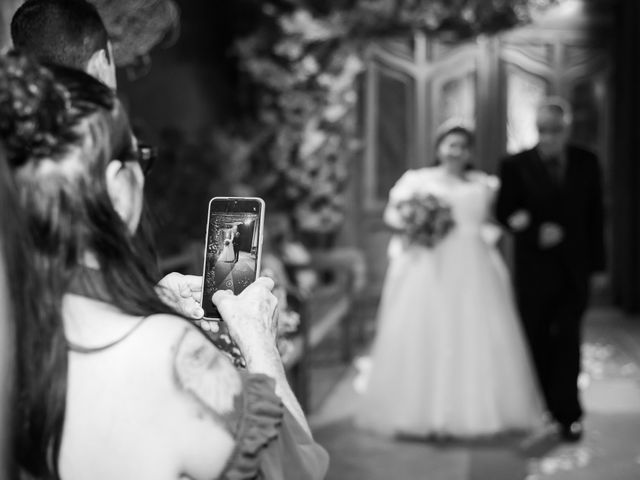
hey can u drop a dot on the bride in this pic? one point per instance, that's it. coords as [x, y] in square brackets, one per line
[227, 255]
[449, 358]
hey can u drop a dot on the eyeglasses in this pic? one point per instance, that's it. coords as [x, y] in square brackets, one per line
[146, 157]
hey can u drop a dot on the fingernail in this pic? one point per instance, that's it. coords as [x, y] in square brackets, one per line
[198, 312]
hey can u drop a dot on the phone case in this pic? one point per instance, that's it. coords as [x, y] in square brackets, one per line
[232, 256]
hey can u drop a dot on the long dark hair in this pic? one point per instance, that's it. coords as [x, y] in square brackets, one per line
[14, 262]
[62, 127]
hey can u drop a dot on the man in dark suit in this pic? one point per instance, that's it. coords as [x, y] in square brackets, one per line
[551, 200]
[236, 244]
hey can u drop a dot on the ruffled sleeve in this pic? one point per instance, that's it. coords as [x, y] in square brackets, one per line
[258, 426]
[271, 445]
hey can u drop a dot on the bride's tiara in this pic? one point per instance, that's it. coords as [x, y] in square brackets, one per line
[455, 125]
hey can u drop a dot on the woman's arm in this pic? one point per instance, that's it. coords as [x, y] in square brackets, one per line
[392, 217]
[402, 190]
[269, 363]
[294, 455]
[252, 320]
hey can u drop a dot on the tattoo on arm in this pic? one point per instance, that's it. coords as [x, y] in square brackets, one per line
[207, 376]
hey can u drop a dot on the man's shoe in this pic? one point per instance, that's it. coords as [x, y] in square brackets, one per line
[572, 433]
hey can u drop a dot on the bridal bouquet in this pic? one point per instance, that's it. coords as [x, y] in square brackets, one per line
[426, 219]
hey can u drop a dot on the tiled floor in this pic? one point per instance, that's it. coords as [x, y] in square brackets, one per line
[609, 451]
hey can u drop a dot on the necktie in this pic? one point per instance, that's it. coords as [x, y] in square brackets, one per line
[555, 169]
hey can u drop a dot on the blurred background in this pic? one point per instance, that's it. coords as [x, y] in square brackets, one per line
[319, 106]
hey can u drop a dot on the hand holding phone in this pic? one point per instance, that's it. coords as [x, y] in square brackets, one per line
[252, 317]
[233, 247]
[183, 293]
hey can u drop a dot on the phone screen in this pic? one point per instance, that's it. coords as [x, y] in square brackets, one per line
[233, 247]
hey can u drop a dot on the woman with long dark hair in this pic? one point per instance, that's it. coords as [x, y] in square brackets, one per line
[115, 385]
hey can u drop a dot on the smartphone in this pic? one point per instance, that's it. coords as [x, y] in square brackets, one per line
[233, 247]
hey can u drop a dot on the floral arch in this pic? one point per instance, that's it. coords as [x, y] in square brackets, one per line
[302, 62]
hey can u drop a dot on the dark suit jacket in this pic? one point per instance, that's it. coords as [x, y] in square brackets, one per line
[576, 205]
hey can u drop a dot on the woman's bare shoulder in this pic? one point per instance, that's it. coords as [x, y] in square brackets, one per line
[90, 323]
[422, 172]
[198, 368]
[164, 327]
[176, 382]
[176, 333]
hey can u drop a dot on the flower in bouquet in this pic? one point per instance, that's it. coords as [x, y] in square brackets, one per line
[426, 218]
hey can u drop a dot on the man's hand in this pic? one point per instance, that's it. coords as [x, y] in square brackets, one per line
[551, 235]
[519, 220]
[182, 293]
[252, 317]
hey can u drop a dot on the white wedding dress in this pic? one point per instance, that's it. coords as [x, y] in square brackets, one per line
[449, 356]
[227, 255]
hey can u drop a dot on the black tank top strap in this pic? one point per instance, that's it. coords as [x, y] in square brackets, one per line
[88, 282]
[74, 347]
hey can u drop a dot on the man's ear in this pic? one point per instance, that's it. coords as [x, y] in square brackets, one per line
[101, 66]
